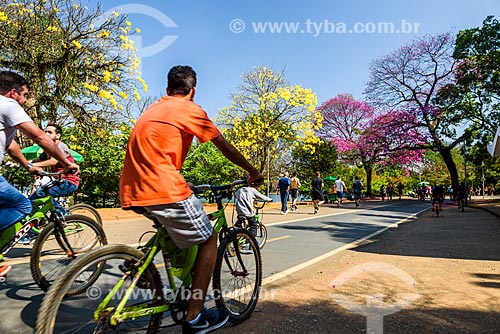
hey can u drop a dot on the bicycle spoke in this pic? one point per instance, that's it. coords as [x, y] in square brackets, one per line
[88, 312]
[237, 278]
[51, 252]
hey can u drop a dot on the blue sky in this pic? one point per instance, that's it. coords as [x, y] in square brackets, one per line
[318, 52]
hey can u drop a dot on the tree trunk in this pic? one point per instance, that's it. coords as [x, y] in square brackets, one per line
[452, 167]
[369, 171]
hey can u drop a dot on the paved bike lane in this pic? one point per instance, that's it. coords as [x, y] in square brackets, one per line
[299, 239]
[429, 275]
[293, 239]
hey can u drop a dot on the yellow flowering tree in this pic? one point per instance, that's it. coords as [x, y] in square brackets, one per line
[81, 65]
[268, 117]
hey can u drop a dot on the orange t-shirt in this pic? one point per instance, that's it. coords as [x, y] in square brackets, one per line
[157, 149]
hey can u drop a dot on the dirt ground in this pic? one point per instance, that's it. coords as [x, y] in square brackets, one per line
[430, 275]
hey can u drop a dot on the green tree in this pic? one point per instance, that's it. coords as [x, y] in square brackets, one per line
[477, 50]
[104, 153]
[324, 159]
[476, 92]
[206, 164]
[482, 165]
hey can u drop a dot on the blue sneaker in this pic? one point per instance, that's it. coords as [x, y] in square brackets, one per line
[208, 321]
[28, 238]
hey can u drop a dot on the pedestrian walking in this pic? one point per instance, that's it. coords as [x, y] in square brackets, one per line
[317, 192]
[284, 188]
[340, 191]
[390, 191]
[400, 188]
[356, 190]
[294, 190]
[382, 192]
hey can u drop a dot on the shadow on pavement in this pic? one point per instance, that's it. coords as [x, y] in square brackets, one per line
[327, 317]
[16, 293]
[473, 234]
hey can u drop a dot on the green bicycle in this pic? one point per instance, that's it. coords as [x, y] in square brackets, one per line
[60, 239]
[261, 235]
[123, 290]
[76, 209]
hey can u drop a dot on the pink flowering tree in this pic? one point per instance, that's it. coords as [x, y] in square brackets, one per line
[411, 79]
[364, 137]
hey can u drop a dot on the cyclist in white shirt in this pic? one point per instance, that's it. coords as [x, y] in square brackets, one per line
[13, 94]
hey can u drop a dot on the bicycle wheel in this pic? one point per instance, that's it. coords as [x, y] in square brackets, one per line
[261, 236]
[60, 313]
[237, 279]
[86, 210]
[50, 254]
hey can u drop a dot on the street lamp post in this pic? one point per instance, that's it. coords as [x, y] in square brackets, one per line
[465, 169]
[465, 163]
[352, 169]
[268, 175]
[482, 175]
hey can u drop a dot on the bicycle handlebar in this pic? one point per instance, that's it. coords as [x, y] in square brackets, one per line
[258, 207]
[214, 188]
[57, 174]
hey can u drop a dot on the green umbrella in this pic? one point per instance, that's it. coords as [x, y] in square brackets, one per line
[423, 183]
[33, 152]
[330, 178]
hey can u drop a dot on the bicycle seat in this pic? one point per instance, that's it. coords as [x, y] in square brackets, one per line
[142, 211]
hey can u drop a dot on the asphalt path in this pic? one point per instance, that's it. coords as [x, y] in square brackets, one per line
[294, 244]
[294, 241]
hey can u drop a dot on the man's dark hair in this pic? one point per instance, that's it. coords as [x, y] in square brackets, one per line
[9, 80]
[55, 126]
[181, 79]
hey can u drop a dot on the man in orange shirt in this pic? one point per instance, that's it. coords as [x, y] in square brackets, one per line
[151, 182]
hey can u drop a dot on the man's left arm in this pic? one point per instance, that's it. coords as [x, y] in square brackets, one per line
[15, 152]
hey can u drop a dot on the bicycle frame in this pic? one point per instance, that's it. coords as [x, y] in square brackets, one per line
[258, 209]
[41, 208]
[159, 242]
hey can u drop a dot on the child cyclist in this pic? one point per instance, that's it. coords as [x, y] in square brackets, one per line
[244, 199]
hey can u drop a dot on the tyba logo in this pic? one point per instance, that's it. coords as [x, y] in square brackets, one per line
[135, 8]
[375, 308]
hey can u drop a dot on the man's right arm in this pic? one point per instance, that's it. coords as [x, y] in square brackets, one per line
[236, 157]
[36, 134]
